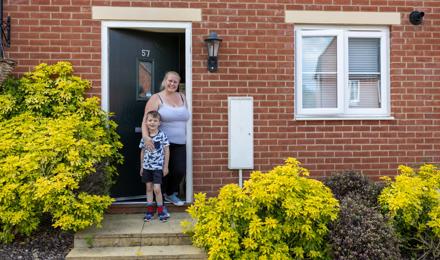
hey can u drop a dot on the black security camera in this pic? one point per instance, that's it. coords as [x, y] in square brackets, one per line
[416, 17]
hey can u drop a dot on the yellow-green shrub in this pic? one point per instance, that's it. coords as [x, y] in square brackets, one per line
[412, 202]
[52, 139]
[277, 215]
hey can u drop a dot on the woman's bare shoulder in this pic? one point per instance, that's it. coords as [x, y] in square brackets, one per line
[154, 98]
[152, 103]
[182, 95]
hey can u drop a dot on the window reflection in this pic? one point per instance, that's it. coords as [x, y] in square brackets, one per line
[144, 79]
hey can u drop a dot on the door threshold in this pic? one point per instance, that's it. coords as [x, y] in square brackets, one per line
[129, 203]
[135, 207]
[131, 199]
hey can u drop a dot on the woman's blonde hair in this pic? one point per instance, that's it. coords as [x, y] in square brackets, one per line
[164, 81]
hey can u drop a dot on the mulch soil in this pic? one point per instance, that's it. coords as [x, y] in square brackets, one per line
[45, 244]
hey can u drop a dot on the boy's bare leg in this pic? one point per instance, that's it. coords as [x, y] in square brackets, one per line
[150, 206]
[158, 193]
[159, 200]
[149, 187]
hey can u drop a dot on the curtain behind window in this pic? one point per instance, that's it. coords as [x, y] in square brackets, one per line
[364, 71]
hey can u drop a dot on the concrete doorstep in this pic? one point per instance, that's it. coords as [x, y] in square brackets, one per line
[127, 236]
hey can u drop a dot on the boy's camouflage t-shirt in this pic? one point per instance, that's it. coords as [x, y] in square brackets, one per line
[153, 160]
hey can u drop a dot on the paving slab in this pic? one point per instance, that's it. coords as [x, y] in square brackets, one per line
[127, 236]
[126, 230]
[133, 224]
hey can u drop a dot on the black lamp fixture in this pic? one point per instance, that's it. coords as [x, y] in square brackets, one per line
[213, 43]
[416, 17]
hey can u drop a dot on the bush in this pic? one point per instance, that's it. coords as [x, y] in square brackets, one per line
[354, 184]
[361, 232]
[412, 202]
[52, 140]
[277, 215]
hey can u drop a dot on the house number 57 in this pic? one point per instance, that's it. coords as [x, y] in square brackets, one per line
[145, 53]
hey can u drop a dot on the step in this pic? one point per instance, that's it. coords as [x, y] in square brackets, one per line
[127, 236]
[142, 252]
[127, 230]
[132, 240]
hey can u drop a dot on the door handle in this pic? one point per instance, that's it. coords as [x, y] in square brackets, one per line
[138, 130]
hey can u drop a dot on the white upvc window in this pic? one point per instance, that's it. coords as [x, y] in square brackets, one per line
[342, 72]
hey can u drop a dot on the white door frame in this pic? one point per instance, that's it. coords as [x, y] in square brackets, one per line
[185, 27]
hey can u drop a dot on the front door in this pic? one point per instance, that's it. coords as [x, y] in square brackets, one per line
[138, 60]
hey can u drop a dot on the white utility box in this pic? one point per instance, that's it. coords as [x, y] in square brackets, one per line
[240, 133]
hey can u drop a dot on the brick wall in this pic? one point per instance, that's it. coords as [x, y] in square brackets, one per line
[256, 59]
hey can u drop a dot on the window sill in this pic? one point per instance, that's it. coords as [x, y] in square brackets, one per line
[303, 118]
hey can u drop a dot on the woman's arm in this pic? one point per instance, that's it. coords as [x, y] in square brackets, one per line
[166, 160]
[142, 161]
[152, 104]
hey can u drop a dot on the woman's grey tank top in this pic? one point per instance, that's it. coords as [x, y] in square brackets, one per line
[173, 121]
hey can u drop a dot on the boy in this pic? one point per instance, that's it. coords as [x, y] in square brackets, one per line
[154, 165]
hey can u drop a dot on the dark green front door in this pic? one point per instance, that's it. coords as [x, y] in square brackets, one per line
[138, 61]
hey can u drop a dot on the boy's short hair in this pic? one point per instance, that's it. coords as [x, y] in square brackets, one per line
[153, 114]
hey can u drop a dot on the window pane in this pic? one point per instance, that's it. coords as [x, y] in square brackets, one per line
[364, 55]
[364, 72]
[319, 91]
[144, 80]
[368, 90]
[319, 75]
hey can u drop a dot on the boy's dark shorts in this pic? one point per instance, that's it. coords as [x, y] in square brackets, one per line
[154, 176]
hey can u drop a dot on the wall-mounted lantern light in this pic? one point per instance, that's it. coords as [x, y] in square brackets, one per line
[416, 17]
[213, 44]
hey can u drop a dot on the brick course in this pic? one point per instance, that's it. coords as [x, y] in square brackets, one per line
[257, 59]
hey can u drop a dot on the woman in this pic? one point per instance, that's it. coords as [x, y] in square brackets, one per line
[174, 112]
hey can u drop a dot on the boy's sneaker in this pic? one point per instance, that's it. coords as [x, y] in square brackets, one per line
[163, 217]
[174, 199]
[148, 217]
[165, 210]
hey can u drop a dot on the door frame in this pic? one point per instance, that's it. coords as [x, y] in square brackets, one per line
[184, 27]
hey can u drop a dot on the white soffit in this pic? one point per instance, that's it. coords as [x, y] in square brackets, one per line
[146, 14]
[331, 17]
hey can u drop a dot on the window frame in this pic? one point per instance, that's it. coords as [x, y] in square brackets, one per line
[343, 111]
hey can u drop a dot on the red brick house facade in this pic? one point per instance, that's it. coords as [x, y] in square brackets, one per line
[258, 58]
